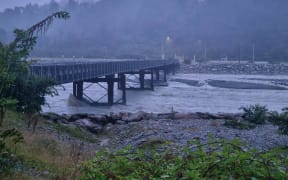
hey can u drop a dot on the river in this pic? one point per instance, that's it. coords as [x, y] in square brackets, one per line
[180, 97]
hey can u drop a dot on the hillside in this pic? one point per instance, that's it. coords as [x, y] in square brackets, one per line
[139, 28]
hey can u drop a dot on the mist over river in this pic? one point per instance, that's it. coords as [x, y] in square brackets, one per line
[185, 93]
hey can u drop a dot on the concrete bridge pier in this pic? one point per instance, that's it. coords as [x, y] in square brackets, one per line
[122, 83]
[78, 89]
[121, 80]
[160, 77]
[110, 89]
[144, 83]
[156, 73]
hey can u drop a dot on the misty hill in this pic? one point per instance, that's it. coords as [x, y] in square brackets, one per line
[139, 28]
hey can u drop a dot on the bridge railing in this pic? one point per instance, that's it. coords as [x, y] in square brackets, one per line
[66, 72]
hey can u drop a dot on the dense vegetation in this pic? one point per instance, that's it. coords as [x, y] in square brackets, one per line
[214, 160]
[18, 89]
[137, 28]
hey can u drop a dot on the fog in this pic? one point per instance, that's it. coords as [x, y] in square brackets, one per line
[207, 29]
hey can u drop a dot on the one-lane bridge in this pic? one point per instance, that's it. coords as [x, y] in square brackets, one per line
[112, 71]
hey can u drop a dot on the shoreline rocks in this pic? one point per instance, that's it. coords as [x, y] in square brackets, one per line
[115, 131]
[235, 68]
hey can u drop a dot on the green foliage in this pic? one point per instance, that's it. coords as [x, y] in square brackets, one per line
[239, 124]
[6, 103]
[281, 120]
[17, 86]
[214, 160]
[7, 162]
[255, 114]
[75, 131]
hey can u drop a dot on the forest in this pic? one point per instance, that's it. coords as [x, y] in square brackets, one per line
[207, 29]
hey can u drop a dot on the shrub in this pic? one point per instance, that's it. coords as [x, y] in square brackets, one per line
[214, 160]
[255, 114]
[280, 119]
[7, 162]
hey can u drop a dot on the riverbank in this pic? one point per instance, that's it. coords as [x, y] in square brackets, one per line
[60, 143]
[115, 131]
[235, 68]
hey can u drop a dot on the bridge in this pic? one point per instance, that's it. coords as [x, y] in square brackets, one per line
[78, 71]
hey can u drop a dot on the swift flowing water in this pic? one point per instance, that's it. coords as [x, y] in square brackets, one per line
[180, 97]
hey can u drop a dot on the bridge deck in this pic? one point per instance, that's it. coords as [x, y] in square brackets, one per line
[67, 70]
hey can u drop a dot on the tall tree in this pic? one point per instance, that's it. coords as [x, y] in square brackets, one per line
[17, 87]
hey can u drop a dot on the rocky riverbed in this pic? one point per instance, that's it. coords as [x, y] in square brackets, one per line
[138, 129]
[235, 68]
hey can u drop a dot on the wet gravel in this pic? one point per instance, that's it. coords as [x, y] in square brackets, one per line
[179, 133]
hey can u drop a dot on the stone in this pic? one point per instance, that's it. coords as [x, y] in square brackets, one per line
[52, 116]
[96, 129]
[84, 122]
[90, 126]
[77, 116]
[98, 119]
[108, 127]
[138, 116]
[104, 142]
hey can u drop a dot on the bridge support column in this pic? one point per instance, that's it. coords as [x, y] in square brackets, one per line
[122, 84]
[160, 75]
[157, 74]
[144, 84]
[142, 79]
[78, 89]
[110, 86]
[165, 75]
[152, 81]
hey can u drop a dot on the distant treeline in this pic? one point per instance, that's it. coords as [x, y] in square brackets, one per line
[208, 29]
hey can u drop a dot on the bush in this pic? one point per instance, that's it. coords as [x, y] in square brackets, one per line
[255, 114]
[214, 160]
[7, 162]
[280, 119]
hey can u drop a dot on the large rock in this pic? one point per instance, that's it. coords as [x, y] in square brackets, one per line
[98, 119]
[138, 116]
[77, 116]
[53, 117]
[90, 126]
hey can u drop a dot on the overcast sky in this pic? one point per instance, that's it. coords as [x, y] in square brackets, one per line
[12, 3]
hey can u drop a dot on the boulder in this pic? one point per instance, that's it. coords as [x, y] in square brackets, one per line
[90, 126]
[95, 129]
[52, 117]
[84, 122]
[77, 116]
[124, 115]
[98, 119]
[138, 116]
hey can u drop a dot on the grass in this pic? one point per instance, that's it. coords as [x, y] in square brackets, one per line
[44, 156]
[76, 132]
